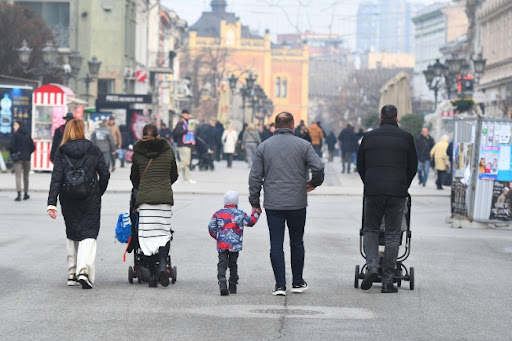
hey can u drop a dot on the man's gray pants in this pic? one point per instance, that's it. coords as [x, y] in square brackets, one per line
[392, 209]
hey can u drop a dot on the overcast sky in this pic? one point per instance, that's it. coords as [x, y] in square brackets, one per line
[285, 16]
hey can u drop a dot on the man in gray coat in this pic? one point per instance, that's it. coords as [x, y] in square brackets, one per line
[102, 137]
[281, 165]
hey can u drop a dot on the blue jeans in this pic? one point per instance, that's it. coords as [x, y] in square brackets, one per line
[423, 168]
[376, 208]
[295, 219]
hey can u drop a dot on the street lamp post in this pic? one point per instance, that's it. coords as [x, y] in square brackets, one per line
[246, 91]
[49, 53]
[94, 69]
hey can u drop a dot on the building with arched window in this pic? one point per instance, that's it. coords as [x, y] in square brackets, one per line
[219, 45]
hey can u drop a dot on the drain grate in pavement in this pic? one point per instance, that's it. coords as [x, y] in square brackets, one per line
[300, 312]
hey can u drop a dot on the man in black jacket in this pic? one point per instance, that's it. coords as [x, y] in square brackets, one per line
[424, 144]
[387, 164]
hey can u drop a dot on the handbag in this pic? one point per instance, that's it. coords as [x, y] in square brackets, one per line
[15, 157]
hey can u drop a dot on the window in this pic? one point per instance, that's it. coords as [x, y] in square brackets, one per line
[284, 89]
[278, 87]
[106, 86]
[56, 15]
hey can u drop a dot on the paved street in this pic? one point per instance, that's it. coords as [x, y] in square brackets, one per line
[461, 292]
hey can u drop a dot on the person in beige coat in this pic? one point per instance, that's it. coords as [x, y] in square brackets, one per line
[438, 152]
[229, 138]
[118, 140]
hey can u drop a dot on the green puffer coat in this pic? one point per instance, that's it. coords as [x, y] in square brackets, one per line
[156, 186]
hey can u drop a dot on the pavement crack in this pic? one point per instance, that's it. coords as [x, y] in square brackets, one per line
[282, 319]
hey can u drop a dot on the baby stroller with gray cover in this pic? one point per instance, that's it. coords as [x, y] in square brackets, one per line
[401, 271]
[141, 263]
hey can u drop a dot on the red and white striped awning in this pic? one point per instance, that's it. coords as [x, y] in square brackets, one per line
[52, 95]
[449, 113]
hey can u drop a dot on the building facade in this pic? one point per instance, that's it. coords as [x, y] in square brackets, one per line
[435, 26]
[219, 45]
[495, 19]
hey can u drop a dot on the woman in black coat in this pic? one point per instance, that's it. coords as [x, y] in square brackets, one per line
[81, 216]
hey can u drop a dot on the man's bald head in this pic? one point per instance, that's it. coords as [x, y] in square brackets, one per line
[284, 120]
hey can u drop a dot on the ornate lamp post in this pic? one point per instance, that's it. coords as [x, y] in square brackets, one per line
[246, 91]
[94, 69]
[75, 64]
[49, 53]
[479, 65]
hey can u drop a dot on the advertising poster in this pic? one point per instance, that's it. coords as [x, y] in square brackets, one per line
[458, 198]
[58, 113]
[488, 162]
[501, 199]
[15, 105]
[139, 118]
[505, 165]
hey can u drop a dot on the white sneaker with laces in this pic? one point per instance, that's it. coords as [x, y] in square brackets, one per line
[298, 288]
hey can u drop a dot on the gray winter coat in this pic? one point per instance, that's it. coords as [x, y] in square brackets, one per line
[102, 137]
[281, 165]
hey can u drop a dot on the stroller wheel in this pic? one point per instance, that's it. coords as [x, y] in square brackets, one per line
[398, 277]
[130, 275]
[356, 279]
[173, 275]
[411, 279]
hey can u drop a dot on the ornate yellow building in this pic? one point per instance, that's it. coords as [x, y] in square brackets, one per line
[220, 39]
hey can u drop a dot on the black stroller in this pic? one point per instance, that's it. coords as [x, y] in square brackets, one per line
[141, 263]
[203, 154]
[401, 271]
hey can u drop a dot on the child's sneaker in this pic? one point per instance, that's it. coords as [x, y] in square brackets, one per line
[232, 288]
[298, 288]
[279, 291]
[223, 286]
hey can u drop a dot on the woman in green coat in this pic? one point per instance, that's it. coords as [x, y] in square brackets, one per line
[153, 172]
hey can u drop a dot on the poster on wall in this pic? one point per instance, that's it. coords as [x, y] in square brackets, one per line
[58, 113]
[458, 198]
[501, 199]
[505, 163]
[15, 105]
[488, 162]
[139, 118]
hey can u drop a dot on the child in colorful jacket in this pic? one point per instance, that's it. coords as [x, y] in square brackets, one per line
[227, 227]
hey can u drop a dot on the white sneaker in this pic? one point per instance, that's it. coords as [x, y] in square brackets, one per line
[279, 291]
[84, 280]
[72, 281]
[298, 288]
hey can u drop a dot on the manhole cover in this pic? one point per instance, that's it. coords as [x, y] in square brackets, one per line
[301, 312]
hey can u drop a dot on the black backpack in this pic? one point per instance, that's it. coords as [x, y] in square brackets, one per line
[76, 185]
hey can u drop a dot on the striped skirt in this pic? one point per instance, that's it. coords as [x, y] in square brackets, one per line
[154, 227]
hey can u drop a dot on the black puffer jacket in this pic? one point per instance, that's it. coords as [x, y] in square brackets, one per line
[156, 186]
[22, 143]
[386, 161]
[82, 217]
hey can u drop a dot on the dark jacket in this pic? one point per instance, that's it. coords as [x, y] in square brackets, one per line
[82, 217]
[181, 130]
[22, 143]
[281, 165]
[209, 134]
[330, 141]
[156, 186]
[423, 147]
[348, 140]
[58, 134]
[386, 161]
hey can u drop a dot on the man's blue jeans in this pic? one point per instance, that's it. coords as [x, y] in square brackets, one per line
[295, 219]
[423, 168]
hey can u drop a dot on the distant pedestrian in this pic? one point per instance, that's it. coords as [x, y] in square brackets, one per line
[57, 135]
[21, 147]
[317, 135]
[81, 216]
[229, 139]
[441, 160]
[220, 130]
[304, 134]
[153, 172]
[118, 139]
[387, 164]
[331, 144]
[166, 133]
[239, 142]
[102, 137]
[185, 140]
[424, 144]
[298, 129]
[267, 132]
[227, 227]
[281, 166]
[348, 145]
[250, 141]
